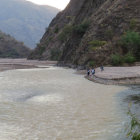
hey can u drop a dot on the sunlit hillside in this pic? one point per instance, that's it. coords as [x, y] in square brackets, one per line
[24, 20]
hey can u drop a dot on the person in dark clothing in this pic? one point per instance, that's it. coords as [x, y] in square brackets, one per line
[88, 72]
[102, 68]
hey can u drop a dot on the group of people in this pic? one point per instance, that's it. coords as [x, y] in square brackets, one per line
[92, 71]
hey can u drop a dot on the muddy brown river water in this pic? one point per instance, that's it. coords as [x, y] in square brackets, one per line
[56, 104]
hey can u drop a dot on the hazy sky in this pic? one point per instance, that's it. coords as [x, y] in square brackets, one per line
[61, 4]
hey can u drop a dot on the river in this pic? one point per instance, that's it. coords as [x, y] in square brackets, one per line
[57, 104]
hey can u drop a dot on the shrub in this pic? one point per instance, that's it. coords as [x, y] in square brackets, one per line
[131, 41]
[49, 39]
[109, 34]
[56, 30]
[66, 32]
[133, 24]
[41, 49]
[81, 28]
[70, 17]
[134, 128]
[55, 54]
[129, 58]
[97, 43]
[91, 63]
[92, 48]
[116, 60]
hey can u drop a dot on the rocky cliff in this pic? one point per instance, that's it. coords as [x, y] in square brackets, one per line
[88, 31]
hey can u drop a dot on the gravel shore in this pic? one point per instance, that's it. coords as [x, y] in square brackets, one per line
[10, 64]
[117, 75]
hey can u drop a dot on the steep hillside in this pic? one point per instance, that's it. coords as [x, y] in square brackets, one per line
[24, 20]
[89, 32]
[10, 48]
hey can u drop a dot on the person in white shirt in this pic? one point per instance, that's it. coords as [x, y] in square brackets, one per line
[93, 71]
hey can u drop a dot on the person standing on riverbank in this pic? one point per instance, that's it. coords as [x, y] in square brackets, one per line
[93, 71]
[102, 68]
[88, 72]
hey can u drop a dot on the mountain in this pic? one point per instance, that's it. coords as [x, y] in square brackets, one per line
[10, 48]
[93, 32]
[24, 20]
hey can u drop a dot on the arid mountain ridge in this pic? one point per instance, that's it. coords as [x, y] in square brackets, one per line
[89, 31]
[24, 20]
[11, 48]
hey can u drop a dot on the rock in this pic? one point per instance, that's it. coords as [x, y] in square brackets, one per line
[105, 19]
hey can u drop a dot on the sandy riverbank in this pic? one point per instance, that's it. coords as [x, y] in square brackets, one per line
[117, 76]
[10, 64]
[110, 75]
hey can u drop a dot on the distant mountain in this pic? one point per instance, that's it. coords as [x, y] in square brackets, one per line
[24, 20]
[11, 48]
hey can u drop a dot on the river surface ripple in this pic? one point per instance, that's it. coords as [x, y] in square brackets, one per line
[56, 104]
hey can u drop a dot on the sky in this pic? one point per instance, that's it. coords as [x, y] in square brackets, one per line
[60, 4]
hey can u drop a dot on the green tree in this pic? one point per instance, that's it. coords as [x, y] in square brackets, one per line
[129, 58]
[67, 30]
[81, 28]
[131, 41]
[116, 60]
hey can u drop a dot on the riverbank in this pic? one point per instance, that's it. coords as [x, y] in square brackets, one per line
[110, 75]
[117, 76]
[10, 64]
